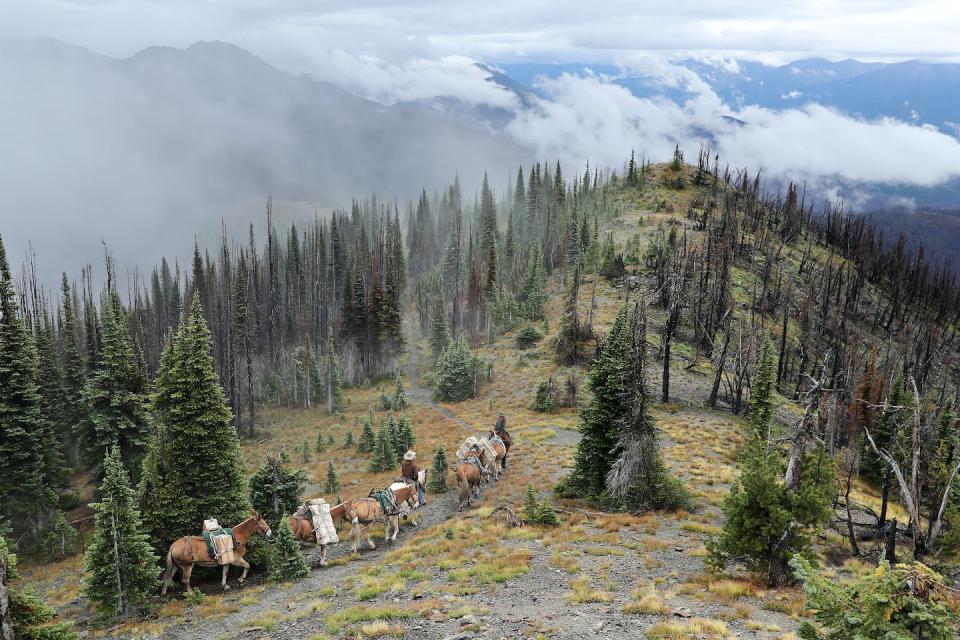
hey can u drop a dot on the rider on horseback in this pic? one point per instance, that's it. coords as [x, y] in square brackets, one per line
[500, 430]
[410, 471]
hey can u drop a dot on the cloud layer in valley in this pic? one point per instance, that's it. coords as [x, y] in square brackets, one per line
[590, 116]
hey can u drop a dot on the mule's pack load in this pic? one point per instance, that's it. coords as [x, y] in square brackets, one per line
[465, 448]
[219, 541]
[489, 454]
[319, 510]
[387, 500]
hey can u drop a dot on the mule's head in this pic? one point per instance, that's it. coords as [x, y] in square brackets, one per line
[262, 526]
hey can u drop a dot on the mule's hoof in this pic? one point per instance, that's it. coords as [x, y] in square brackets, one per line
[323, 563]
[226, 587]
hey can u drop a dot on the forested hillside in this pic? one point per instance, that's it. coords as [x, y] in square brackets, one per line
[716, 396]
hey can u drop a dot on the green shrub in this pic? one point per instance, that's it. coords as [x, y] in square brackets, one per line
[546, 398]
[528, 336]
[905, 602]
[539, 512]
[458, 373]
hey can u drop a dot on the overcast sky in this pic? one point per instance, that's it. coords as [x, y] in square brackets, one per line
[310, 33]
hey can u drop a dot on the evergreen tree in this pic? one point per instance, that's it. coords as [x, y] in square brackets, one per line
[896, 413]
[368, 440]
[121, 572]
[25, 616]
[383, 452]
[329, 439]
[52, 391]
[321, 443]
[534, 294]
[762, 393]
[399, 395]
[438, 472]
[74, 372]
[759, 507]
[25, 497]
[456, 373]
[393, 438]
[531, 506]
[115, 394]
[639, 477]
[288, 562]
[571, 331]
[332, 487]
[334, 386]
[194, 467]
[275, 488]
[599, 420]
[439, 336]
[348, 439]
[305, 455]
[405, 436]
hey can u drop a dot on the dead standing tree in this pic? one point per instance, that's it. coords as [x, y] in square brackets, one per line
[778, 572]
[910, 489]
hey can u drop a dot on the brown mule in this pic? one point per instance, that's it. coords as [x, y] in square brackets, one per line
[468, 482]
[363, 513]
[192, 550]
[302, 527]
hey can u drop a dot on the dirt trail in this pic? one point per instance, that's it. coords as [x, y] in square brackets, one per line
[279, 597]
[424, 395]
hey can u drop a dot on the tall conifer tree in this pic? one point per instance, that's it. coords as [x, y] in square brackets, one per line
[25, 496]
[121, 571]
[194, 467]
[115, 394]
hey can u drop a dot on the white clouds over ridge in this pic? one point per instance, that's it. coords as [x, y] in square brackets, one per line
[592, 117]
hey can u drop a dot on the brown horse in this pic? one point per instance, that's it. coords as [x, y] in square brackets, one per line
[302, 527]
[468, 481]
[192, 550]
[507, 443]
[500, 449]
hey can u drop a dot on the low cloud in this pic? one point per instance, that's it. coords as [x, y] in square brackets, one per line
[589, 116]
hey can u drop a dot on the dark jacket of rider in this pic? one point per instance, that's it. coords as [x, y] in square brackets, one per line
[409, 470]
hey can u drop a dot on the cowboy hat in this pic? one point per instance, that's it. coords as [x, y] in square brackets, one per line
[410, 455]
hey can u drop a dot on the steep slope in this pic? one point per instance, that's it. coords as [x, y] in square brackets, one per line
[465, 575]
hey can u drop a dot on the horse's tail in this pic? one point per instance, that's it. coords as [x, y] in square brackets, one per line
[168, 574]
[463, 484]
[351, 513]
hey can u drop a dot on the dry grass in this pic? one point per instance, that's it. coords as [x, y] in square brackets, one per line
[693, 629]
[728, 590]
[381, 629]
[563, 561]
[646, 602]
[342, 619]
[581, 592]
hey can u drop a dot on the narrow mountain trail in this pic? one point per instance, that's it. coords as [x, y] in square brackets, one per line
[424, 395]
[242, 618]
